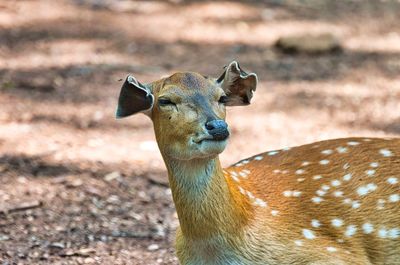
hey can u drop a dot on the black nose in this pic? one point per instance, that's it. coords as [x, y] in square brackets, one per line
[218, 129]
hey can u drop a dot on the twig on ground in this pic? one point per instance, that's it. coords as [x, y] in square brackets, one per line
[21, 207]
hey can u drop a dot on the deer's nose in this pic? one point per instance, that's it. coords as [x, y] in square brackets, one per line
[218, 129]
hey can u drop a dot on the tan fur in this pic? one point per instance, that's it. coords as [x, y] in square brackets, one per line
[261, 210]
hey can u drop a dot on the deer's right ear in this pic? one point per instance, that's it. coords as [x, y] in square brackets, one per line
[237, 84]
[133, 98]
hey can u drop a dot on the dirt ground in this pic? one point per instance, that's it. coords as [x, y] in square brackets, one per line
[79, 187]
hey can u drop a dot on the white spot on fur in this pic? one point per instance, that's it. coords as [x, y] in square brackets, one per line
[234, 178]
[296, 193]
[385, 152]
[325, 187]
[300, 171]
[316, 177]
[292, 193]
[274, 212]
[251, 196]
[347, 201]
[308, 234]
[353, 143]
[324, 162]
[246, 171]
[300, 179]
[317, 199]
[305, 163]
[331, 249]
[394, 233]
[260, 202]
[367, 228]
[374, 164]
[347, 177]
[380, 204]
[335, 183]
[364, 190]
[272, 153]
[245, 161]
[242, 191]
[382, 233]
[337, 222]
[276, 171]
[320, 192]
[394, 198]
[370, 172]
[355, 204]
[350, 230]
[341, 149]
[242, 174]
[287, 193]
[315, 223]
[338, 193]
[327, 152]
[392, 180]
[298, 243]
[258, 158]
[346, 166]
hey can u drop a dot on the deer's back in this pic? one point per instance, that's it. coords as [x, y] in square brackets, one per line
[340, 197]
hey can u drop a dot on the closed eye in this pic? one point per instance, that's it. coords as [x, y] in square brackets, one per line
[165, 102]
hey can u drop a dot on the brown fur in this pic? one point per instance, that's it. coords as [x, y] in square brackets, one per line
[260, 210]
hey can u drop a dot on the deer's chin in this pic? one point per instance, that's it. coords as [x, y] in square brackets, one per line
[209, 147]
[204, 150]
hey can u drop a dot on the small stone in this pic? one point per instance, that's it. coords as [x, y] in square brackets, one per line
[111, 176]
[89, 261]
[153, 247]
[74, 183]
[57, 245]
[4, 238]
[309, 44]
[113, 199]
[86, 251]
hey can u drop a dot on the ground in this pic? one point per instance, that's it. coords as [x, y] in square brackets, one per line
[79, 187]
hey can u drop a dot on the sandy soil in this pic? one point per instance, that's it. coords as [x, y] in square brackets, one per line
[79, 187]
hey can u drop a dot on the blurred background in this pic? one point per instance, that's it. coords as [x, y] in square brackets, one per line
[79, 187]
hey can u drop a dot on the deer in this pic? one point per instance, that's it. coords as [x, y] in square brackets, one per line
[331, 202]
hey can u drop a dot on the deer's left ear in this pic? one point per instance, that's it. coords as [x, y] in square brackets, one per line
[237, 84]
[134, 98]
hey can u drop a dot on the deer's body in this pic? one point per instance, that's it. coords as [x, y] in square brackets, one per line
[331, 202]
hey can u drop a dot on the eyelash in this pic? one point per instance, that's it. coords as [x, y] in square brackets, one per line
[165, 102]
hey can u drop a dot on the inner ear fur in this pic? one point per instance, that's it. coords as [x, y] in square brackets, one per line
[237, 84]
[133, 98]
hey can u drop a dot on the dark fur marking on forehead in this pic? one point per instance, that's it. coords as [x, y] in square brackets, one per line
[194, 81]
[202, 101]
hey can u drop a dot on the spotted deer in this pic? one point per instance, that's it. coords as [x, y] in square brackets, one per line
[331, 202]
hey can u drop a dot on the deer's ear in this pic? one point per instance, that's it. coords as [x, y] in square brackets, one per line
[237, 84]
[133, 98]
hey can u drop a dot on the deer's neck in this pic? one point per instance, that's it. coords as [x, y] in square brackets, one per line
[206, 203]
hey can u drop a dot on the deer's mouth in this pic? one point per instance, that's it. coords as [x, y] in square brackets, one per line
[210, 138]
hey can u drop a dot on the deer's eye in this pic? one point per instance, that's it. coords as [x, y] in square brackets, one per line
[165, 102]
[223, 99]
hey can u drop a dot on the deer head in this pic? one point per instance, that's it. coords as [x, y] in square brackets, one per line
[188, 109]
